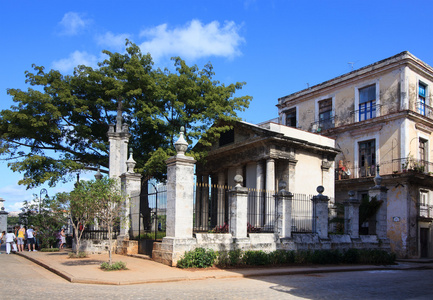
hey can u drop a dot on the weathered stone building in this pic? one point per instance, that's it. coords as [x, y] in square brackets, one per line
[379, 115]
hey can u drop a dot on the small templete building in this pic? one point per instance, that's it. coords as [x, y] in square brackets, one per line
[381, 118]
[264, 155]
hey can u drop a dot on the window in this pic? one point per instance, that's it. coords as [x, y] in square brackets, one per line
[421, 98]
[227, 137]
[424, 208]
[291, 117]
[423, 156]
[367, 158]
[367, 103]
[325, 114]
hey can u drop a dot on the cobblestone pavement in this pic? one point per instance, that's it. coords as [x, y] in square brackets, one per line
[22, 279]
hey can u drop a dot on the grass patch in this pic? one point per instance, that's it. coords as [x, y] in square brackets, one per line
[116, 266]
[50, 250]
[80, 254]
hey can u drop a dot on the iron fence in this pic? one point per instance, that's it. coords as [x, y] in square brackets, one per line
[210, 208]
[90, 234]
[302, 213]
[261, 212]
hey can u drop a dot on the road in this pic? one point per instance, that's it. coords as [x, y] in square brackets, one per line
[22, 279]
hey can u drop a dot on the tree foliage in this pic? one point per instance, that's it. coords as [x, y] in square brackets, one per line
[59, 125]
[47, 217]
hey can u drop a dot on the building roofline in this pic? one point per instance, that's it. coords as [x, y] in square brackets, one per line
[404, 56]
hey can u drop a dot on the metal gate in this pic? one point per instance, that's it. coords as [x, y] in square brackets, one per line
[152, 215]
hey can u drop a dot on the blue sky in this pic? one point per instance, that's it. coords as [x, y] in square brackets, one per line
[276, 47]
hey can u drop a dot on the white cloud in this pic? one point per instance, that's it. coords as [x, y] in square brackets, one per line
[193, 41]
[113, 41]
[76, 58]
[14, 196]
[72, 23]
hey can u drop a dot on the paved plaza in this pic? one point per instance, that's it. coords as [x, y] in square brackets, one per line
[20, 276]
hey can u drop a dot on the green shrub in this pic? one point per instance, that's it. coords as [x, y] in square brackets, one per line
[326, 257]
[235, 257]
[281, 257]
[376, 256]
[198, 258]
[50, 250]
[255, 258]
[302, 257]
[351, 256]
[118, 265]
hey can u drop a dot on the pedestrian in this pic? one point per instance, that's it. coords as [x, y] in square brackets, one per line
[31, 238]
[20, 238]
[2, 237]
[62, 238]
[10, 240]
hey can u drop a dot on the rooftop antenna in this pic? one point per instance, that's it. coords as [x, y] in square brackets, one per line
[308, 85]
[351, 64]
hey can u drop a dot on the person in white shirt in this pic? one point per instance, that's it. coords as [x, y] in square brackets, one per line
[10, 239]
[31, 238]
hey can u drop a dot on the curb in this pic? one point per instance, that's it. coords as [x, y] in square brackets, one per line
[253, 273]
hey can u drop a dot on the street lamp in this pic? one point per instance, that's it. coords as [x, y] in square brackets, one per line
[43, 191]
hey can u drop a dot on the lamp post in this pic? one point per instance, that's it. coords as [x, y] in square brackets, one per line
[43, 191]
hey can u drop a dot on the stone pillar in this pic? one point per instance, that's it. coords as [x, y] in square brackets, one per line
[320, 213]
[351, 216]
[118, 137]
[380, 193]
[284, 211]
[180, 210]
[238, 209]
[221, 208]
[180, 192]
[270, 175]
[131, 186]
[3, 217]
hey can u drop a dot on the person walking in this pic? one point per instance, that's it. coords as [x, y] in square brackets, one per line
[31, 239]
[62, 238]
[20, 238]
[10, 239]
[2, 237]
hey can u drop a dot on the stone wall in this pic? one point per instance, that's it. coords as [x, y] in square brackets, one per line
[94, 246]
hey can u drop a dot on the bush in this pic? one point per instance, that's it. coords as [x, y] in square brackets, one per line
[351, 256]
[198, 258]
[116, 266]
[255, 258]
[322, 257]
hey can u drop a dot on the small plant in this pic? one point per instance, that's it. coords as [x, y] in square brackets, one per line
[198, 258]
[116, 266]
[80, 254]
[220, 228]
[252, 229]
[50, 250]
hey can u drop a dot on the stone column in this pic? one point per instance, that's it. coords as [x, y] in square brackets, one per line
[180, 192]
[205, 202]
[270, 175]
[118, 140]
[260, 199]
[320, 213]
[351, 216]
[238, 209]
[180, 210]
[221, 209]
[380, 193]
[3, 217]
[131, 186]
[284, 211]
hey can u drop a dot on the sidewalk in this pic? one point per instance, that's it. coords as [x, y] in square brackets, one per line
[147, 271]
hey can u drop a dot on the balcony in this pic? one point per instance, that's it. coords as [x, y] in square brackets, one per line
[323, 125]
[426, 211]
[399, 165]
[424, 109]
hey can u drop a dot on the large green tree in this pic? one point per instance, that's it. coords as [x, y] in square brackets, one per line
[59, 125]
